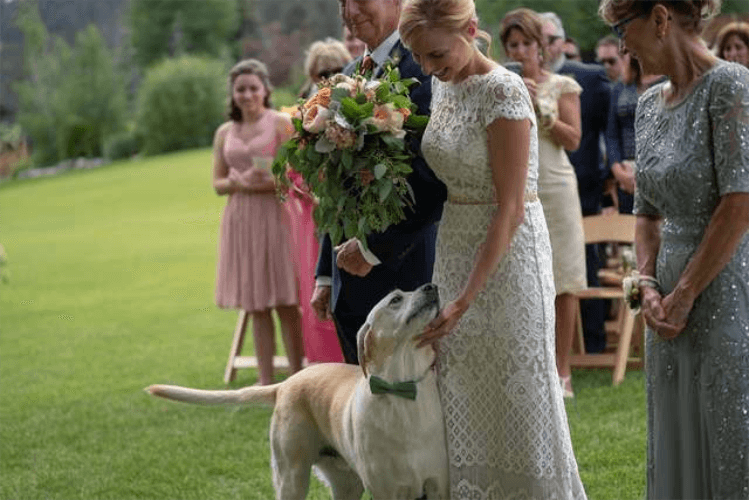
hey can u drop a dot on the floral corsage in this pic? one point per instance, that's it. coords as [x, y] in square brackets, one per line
[631, 286]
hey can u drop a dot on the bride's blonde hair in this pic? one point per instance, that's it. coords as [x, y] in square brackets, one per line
[451, 15]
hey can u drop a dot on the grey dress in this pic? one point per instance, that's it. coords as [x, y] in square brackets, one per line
[688, 155]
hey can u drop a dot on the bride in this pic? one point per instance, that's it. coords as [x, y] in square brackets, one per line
[507, 429]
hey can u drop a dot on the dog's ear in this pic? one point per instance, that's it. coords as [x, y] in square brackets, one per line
[362, 345]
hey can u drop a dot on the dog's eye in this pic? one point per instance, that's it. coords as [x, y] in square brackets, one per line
[396, 300]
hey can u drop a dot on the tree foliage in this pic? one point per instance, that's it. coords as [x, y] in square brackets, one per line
[72, 97]
[181, 102]
[161, 28]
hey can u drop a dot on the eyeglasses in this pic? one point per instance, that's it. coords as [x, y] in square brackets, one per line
[552, 38]
[621, 27]
[607, 61]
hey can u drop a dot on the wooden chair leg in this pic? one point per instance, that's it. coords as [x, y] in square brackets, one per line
[236, 346]
[578, 345]
[622, 349]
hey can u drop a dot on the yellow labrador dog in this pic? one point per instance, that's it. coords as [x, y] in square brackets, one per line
[378, 426]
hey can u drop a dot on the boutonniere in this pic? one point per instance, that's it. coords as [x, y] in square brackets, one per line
[396, 56]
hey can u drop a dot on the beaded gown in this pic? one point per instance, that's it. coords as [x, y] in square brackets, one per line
[505, 419]
[689, 154]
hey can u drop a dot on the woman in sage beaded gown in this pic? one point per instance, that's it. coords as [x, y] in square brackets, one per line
[692, 207]
[506, 425]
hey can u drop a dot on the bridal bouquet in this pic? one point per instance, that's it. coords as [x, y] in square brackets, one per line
[349, 147]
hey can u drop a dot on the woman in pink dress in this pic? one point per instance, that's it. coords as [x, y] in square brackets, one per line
[321, 343]
[256, 271]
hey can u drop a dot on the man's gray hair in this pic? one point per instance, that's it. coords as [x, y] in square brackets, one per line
[554, 18]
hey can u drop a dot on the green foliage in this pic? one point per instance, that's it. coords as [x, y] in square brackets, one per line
[123, 145]
[72, 98]
[162, 28]
[181, 102]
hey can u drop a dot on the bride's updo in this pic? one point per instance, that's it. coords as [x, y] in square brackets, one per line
[451, 15]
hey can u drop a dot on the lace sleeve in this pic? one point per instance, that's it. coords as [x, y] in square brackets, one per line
[505, 96]
[729, 113]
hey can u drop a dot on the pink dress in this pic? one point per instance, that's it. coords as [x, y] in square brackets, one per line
[256, 269]
[321, 343]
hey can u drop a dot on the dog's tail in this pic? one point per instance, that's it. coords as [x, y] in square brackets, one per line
[263, 394]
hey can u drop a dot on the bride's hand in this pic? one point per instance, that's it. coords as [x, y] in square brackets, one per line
[443, 324]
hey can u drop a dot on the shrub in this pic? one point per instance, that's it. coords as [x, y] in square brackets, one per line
[73, 97]
[122, 145]
[181, 102]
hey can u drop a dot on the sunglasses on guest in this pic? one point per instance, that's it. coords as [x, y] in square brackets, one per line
[327, 73]
[607, 61]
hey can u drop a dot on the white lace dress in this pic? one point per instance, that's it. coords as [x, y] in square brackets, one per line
[507, 430]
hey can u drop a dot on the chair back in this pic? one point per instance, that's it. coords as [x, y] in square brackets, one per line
[610, 228]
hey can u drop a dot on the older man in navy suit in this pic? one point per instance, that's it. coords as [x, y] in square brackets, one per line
[350, 280]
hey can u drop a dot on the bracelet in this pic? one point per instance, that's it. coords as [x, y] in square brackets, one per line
[631, 286]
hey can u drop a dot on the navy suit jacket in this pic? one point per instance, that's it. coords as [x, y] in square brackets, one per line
[406, 250]
[594, 108]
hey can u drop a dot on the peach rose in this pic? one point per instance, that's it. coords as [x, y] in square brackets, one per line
[315, 119]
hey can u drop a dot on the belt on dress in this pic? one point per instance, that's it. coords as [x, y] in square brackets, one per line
[529, 197]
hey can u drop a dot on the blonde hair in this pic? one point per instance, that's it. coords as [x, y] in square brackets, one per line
[691, 14]
[324, 56]
[450, 15]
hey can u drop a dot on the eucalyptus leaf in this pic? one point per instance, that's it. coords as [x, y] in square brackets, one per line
[385, 189]
[323, 145]
[379, 171]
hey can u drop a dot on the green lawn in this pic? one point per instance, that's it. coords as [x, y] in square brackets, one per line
[111, 275]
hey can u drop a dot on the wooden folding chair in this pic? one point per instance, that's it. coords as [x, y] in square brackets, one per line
[624, 331]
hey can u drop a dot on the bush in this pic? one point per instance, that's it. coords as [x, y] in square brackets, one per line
[73, 97]
[122, 145]
[181, 102]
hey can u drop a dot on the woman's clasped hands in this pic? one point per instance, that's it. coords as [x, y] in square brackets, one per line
[666, 315]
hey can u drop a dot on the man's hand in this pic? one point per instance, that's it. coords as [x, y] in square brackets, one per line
[321, 302]
[351, 260]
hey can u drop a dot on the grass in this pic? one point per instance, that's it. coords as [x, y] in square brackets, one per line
[111, 275]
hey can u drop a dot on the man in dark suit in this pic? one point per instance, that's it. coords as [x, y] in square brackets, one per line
[350, 280]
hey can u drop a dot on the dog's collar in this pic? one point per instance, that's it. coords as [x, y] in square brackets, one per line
[406, 390]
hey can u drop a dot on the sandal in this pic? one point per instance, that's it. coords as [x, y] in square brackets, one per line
[566, 383]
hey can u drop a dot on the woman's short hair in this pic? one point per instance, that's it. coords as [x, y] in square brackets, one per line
[451, 15]
[248, 67]
[735, 28]
[326, 58]
[526, 21]
[692, 14]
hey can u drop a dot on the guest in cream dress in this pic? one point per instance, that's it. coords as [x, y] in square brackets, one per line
[556, 101]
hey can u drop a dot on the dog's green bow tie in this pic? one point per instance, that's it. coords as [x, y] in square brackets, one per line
[405, 390]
